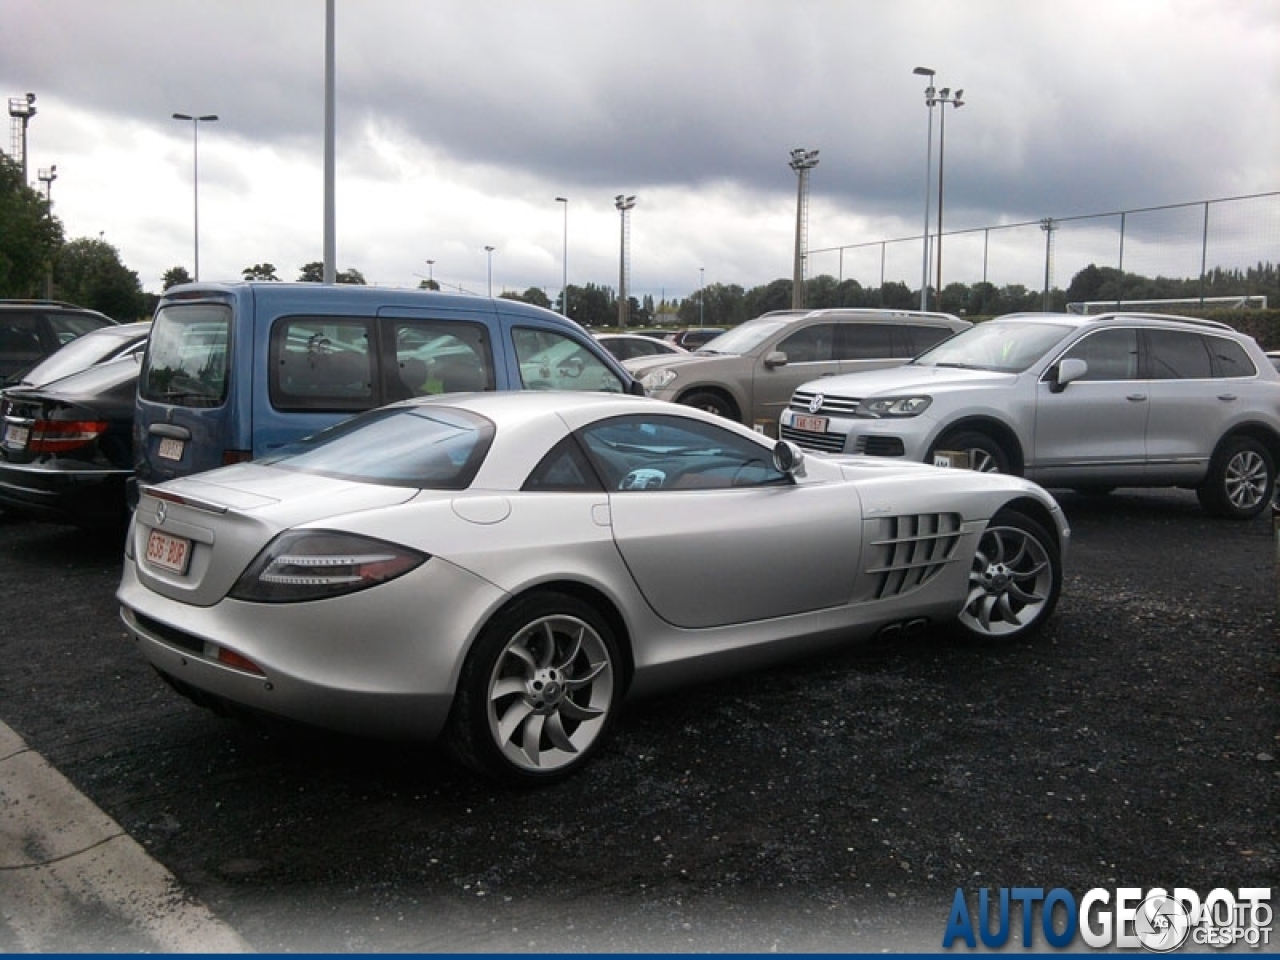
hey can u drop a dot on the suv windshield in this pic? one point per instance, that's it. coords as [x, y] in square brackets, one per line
[1008, 347]
[744, 337]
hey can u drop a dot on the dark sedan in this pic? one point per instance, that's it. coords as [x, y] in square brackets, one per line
[97, 346]
[66, 449]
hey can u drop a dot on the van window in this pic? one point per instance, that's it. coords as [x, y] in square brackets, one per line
[440, 357]
[187, 357]
[552, 361]
[321, 363]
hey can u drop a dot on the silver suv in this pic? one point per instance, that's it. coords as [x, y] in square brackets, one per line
[1087, 402]
[748, 373]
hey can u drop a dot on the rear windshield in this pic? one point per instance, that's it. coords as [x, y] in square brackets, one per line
[427, 447]
[186, 361]
[79, 354]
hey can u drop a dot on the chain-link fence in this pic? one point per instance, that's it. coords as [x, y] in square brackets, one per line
[1184, 241]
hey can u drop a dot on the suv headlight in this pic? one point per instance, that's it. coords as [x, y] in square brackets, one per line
[880, 407]
[658, 380]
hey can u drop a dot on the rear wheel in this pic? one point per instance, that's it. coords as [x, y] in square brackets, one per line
[1014, 580]
[538, 693]
[985, 455]
[1241, 478]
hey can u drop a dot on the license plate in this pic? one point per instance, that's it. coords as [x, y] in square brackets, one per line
[16, 436]
[948, 458]
[171, 448]
[810, 424]
[168, 552]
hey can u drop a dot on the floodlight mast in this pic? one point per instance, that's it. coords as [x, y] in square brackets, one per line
[624, 204]
[802, 161]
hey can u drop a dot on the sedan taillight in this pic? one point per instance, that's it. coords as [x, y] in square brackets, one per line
[315, 565]
[60, 436]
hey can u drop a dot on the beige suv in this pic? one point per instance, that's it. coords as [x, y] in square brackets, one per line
[749, 373]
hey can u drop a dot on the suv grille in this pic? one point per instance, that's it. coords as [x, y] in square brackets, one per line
[911, 550]
[808, 440]
[831, 406]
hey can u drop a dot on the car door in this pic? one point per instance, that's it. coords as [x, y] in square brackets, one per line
[712, 533]
[1188, 403]
[1095, 429]
[810, 354]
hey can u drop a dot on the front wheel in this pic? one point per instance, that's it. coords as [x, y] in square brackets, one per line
[1241, 478]
[538, 693]
[1014, 580]
[985, 455]
[710, 402]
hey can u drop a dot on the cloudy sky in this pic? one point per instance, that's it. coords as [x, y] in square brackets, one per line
[460, 121]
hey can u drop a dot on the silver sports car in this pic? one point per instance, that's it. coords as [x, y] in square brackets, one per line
[501, 569]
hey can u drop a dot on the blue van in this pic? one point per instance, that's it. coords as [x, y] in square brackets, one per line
[233, 371]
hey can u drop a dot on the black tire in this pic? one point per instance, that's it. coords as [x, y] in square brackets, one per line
[985, 454]
[710, 402]
[538, 693]
[1241, 480]
[1014, 581]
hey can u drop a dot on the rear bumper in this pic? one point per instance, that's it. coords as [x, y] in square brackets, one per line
[84, 496]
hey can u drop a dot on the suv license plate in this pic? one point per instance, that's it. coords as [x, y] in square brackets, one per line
[171, 448]
[168, 552]
[16, 436]
[810, 424]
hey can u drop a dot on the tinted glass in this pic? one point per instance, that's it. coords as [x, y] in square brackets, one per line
[564, 469]
[657, 452]
[865, 341]
[434, 448]
[440, 357]
[552, 361]
[1109, 354]
[321, 363]
[920, 338]
[1178, 355]
[813, 344]
[186, 362]
[1231, 358]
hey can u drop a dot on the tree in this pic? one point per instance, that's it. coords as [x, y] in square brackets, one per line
[260, 271]
[174, 276]
[535, 295]
[29, 236]
[89, 273]
[313, 272]
[428, 285]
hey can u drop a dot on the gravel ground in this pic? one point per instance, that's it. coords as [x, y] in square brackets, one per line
[835, 804]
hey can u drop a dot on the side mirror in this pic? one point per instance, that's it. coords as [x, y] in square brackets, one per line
[775, 359]
[1072, 368]
[788, 458]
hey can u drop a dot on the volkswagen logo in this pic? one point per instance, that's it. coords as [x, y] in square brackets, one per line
[816, 403]
[161, 512]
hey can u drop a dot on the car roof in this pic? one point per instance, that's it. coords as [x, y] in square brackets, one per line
[863, 313]
[1118, 316]
[54, 306]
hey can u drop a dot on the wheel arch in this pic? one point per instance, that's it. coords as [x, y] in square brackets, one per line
[718, 390]
[1037, 511]
[1260, 432]
[999, 431]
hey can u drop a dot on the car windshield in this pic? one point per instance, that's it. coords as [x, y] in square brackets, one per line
[1008, 347]
[743, 338]
[430, 448]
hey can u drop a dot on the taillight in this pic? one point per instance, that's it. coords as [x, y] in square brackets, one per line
[59, 436]
[315, 565]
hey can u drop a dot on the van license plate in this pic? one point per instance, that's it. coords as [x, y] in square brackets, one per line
[171, 448]
[810, 424]
[167, 552]
[16, 436]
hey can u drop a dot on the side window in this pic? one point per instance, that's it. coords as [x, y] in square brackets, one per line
[321, 363]
[67, 326]
[865, 341]
[813, 344]
[20, 336]
[922, 337]
[439, 357]
[1230, 358]
[1109, 354]
[1178, 355]
[565, 468]
[645, 453]
[552, 361]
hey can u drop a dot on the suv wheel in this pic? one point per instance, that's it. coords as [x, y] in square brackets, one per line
[710, 402]
[1240, 481]
[985, 455]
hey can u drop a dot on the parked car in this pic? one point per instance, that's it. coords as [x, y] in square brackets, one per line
[97, 346]
[1089, 402]
[1274, 357]
[65, 450]
[691, 338]
[749, 373]
[628, 346]
[235, 371]
[502, 569]
[31, 330]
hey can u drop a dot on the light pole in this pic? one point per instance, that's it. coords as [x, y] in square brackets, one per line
[564, 260]
[431, 278]
[195, 176]
[47, 175]
[488, 251]
[928, 183]
[943, 98]
[623, 205]
[23, 108]
[802, 161]
[702, 295]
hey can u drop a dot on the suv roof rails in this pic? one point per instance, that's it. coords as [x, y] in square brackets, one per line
[1172, 317]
